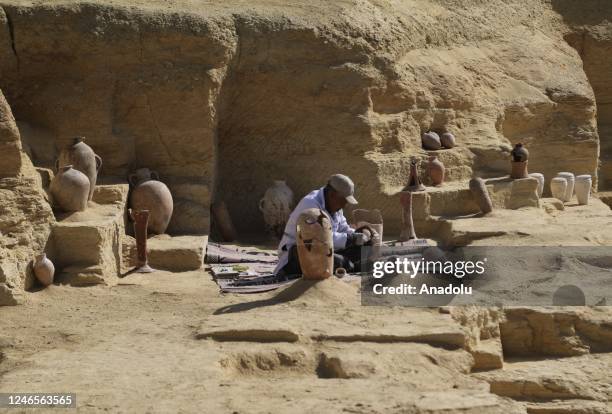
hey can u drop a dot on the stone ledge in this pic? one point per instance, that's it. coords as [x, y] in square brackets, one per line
[176, 254]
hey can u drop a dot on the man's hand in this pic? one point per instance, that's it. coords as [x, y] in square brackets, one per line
[359, 239]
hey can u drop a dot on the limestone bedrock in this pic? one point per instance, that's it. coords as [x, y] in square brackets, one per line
[225, 97]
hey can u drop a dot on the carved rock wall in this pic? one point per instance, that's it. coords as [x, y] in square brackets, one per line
[222, 99]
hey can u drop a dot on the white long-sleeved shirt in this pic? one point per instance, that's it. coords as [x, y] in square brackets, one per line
[315, 199]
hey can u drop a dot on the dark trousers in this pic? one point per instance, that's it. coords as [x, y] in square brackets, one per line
[348, 258]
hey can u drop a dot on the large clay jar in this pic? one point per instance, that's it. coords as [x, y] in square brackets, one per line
[481, 195]
[520, 153]
[540, 178]
[82, 158]
[70, 189]
[431, 141]
[558, 187]
[151, 194]
[569, 190]
[436, 170]
[583, 188]
[315, 244]
[447, 140]
[276, 206]
[43, 269]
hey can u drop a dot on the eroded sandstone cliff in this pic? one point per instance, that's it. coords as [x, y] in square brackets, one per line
[222, 97]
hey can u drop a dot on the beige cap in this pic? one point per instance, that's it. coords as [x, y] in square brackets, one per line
[344, 186]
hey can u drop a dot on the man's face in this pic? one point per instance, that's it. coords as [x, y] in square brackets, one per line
[336, 201]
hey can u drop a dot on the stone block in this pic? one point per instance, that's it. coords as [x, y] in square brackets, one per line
[88, 243]
[513, 194]
[111, 193]
[177, 254]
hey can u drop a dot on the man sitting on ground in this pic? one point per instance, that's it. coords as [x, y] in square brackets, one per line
[347, 242]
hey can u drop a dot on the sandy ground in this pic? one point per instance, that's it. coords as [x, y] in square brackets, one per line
[133, 348]
[170, 342]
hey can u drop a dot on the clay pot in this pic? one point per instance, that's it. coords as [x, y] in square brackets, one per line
[583, 188]
[372, 219]
[276, 206]
[540, 178]
[82, 158]
[519, 170]
[558, 187]
[569, 191]
[520, 153]
[481, 195]
[70, 189]
[152, 195]
[447, 140]
[431, 141]
[315, 244]
[436, 170]
[43, 269]
[223, 221]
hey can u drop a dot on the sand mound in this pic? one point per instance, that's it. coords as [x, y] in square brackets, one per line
[332, 290]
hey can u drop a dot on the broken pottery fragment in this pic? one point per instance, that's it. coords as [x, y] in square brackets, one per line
[315, 244]
[481, 195]
[152, 195]
[82, 158]
[70, 189]
[276, 206]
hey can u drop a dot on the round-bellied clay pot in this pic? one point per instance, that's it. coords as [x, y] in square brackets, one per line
[43, 269]
[540, 178]
[558, 187]
[481, 195]
[519, 169]
[436, 170]
[431, 141]
[448, 140]
[520, 153]
[70, 189]
[151, 194]
[583, 188]
[276, 206]
[82, 158]
[569, 190]
[315, 244]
